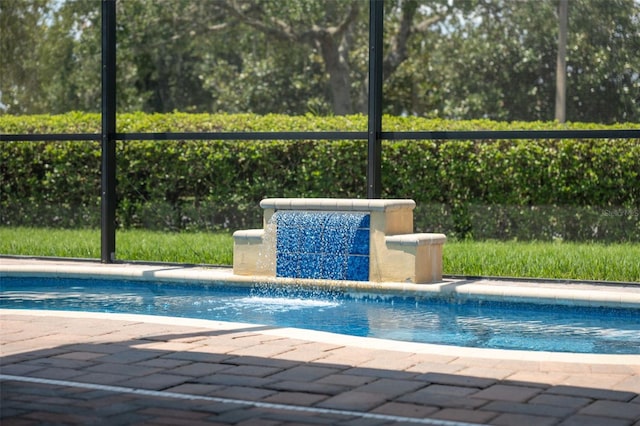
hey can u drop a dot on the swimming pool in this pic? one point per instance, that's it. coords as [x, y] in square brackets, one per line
[470, 323]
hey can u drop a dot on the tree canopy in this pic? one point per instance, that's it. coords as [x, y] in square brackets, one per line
[460, 59]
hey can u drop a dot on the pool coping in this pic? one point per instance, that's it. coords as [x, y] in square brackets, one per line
[574, 293]
[610, 295]
[370, 343]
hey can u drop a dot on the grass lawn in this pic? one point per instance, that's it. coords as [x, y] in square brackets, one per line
[138, 245]
[587, 261]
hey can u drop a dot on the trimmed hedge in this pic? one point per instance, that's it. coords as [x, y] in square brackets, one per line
[522, 189]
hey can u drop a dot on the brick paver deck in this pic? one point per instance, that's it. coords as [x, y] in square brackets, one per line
[111, 369]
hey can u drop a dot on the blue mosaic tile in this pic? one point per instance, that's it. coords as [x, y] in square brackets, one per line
[287, 265]
[284, 219]
[333, 241]
[358, 268]
[287, 239]
[310, 266]
[319, 245]
[335, 220]
[365, 222]
[333, 266]
[360, 243]
[310, 240]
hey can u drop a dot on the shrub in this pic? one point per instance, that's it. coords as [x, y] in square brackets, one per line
[587, 189]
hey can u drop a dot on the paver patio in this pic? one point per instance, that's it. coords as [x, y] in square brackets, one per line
[66, 368]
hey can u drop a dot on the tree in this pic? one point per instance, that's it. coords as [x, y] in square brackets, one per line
[21, 82]
[495, 59]
[55, 51]
[335, 29]
[196, 56]
[330, 35]
[603, 61]
[442, 58]
[159, 56]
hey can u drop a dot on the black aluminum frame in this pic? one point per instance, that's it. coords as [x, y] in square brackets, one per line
[374, 134]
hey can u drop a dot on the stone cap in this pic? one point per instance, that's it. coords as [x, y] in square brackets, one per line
[248, 235]
[338, 204]
[416, 239]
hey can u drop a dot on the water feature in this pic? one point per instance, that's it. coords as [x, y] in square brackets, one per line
[341, 239]
[418, 319]
[322, 245]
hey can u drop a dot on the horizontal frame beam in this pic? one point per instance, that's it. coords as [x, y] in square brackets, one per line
[258, 136]
[513, 134]
[47, 137]
[265, 136]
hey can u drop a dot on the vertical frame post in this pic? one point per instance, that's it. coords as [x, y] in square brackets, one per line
[374, 157]
[108, 177]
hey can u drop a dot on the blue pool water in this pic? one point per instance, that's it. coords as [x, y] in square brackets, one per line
[470, 323]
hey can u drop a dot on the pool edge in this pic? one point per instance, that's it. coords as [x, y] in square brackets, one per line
[574, 293]
[347, 340]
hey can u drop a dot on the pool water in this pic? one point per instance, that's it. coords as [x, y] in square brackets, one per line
[470, 323]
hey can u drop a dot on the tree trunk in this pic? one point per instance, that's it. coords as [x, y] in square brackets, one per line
[339, 79]
[561, 67]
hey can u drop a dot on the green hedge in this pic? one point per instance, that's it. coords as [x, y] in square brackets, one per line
[522, 189]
